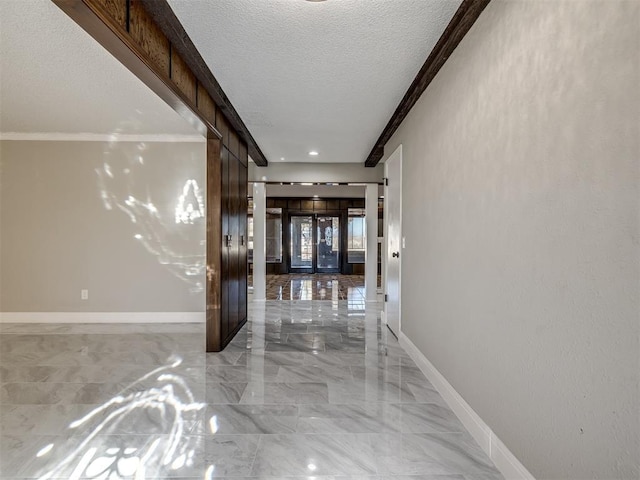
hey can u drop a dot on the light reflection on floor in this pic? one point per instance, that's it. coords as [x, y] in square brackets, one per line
[307, 389]
[155, 412]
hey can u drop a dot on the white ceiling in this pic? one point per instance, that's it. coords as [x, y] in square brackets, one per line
[321, 76]
[304, 76]
[55, 78]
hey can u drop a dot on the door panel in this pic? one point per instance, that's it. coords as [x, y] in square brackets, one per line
[328, 244]
[393, 238]
[234, 230]
[214, 279]
[301, 243]
[224, 314]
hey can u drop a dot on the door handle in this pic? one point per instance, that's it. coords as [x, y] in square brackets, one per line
[228, 240]
[395, 254]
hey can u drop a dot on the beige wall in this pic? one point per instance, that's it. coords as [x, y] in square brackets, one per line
[68, 223]
[521, 194]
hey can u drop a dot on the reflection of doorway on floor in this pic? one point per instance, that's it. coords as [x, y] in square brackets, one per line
[303, 286]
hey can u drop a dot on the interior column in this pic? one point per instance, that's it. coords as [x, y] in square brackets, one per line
[259, 241]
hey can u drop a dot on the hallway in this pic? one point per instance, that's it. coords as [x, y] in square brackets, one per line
[308, 389]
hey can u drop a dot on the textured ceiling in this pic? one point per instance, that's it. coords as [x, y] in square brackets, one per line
[55, 78]
[321, 76]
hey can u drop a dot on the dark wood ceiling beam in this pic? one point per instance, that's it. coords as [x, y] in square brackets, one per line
[110, 29]
[166, 19]
[462, 20]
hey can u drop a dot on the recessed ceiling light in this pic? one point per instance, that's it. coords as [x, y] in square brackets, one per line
[313, 153]
[282, 159]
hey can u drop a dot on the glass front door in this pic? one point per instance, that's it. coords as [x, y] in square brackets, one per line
[301, 248]
[328, 242]
[314, 244]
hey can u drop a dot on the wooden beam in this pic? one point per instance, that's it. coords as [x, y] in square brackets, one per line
[102, 24]
[168, 22]
[462, 20]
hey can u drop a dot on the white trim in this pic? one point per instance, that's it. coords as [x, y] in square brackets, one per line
[100, 137]
[102, 317]
[497, 451]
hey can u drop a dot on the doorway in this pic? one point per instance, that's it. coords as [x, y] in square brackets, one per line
[314, 245]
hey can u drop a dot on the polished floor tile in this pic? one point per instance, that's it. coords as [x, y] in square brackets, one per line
[318, 454]
[319, 286]
[307, 389]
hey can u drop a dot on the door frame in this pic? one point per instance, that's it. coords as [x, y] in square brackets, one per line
[397, 153]
[314, 232]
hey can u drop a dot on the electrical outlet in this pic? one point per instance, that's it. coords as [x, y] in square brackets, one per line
[84, 294]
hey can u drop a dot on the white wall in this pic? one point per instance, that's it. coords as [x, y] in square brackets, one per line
[315, 172]
[521, 194]
[69, 216]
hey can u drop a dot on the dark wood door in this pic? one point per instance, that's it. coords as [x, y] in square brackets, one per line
[234, 242]
[226, 242]
[233, 246]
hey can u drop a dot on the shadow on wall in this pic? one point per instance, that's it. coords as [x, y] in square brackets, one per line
[169, 227]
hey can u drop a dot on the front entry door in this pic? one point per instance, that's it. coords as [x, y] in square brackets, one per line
[314, 244]
[301, 245]
[328, 244]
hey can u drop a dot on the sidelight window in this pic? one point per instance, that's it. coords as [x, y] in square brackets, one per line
[356, 237]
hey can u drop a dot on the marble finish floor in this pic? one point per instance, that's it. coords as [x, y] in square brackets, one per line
[319, 286]
[307, 390]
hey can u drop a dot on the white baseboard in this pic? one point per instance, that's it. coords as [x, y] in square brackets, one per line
[102, 317]
[497, 451]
